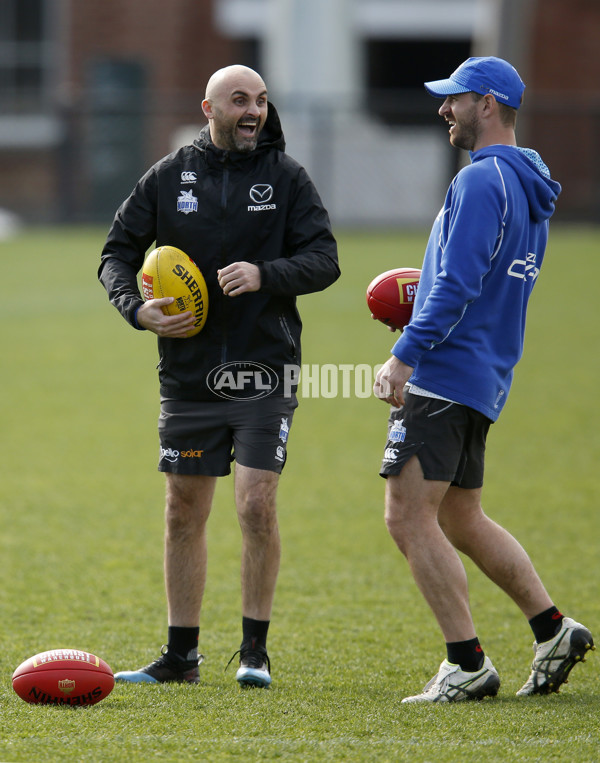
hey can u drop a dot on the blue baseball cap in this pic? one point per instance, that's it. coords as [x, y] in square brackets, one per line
[482, 75]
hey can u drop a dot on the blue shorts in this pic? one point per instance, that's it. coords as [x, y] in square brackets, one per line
[205, 437]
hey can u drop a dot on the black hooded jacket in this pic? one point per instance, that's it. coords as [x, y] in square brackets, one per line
[258, 207]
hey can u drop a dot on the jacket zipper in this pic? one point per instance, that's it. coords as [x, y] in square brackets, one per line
[288, 333]
[224, 262]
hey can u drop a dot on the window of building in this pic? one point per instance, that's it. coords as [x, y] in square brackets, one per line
[397, 69]
[24, 55]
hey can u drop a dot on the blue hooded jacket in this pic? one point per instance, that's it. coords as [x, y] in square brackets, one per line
[482, 260]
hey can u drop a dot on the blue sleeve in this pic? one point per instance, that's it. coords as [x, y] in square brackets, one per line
[464, 240]
[136, 324]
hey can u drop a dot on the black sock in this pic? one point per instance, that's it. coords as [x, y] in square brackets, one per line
[182, 641]
[468, 654]
[546, 625]
[254, 632]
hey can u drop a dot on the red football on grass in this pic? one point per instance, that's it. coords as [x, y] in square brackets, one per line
[63, 677]
[391, 295]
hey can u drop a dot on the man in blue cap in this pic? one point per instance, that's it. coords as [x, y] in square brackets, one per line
[448, 379]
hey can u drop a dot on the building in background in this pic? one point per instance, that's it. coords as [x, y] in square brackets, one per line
[93, 93]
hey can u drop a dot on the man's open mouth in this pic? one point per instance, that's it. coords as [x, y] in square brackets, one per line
[248, 127]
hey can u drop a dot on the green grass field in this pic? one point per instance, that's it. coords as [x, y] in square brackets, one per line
[81, 508]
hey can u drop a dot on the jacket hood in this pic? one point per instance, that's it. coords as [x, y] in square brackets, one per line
[271, 136]
[540, 189]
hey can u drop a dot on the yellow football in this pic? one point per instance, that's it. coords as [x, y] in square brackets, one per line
[169, 272]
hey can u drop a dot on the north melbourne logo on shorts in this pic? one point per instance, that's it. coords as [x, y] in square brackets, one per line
[397, 432]
[284, 430]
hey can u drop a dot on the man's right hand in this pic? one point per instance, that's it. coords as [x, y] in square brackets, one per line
[150, 316]
[390, 381]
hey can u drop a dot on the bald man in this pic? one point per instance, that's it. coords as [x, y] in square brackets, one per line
[225, 95]
[252, 220]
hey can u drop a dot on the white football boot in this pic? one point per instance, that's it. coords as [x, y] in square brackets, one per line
[554, 659]
[452, 684]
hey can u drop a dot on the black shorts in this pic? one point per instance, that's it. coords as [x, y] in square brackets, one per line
[448, 439]
[205, 437]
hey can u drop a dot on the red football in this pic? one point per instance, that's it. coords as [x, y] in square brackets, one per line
[63, 677]
[391, 295]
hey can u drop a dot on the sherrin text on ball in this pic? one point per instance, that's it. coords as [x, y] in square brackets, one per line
[70, 677]
[169, 272]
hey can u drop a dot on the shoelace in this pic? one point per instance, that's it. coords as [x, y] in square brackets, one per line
[253, 658]
[176, 661]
